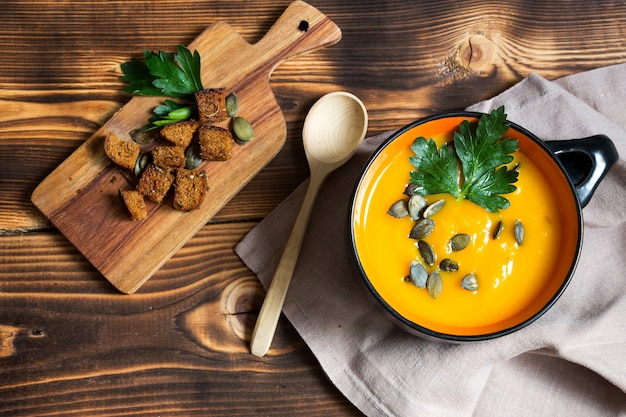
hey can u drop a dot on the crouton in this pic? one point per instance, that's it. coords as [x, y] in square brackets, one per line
[211, 105]
[122, 152]
[180, 133]
[215, 143]
[166, 156]
[135, 204]
[190, 187]
[155, 182]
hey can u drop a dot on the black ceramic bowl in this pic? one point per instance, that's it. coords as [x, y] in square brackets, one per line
[528, 278]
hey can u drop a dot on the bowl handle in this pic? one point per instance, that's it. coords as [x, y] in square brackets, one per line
[586, 162]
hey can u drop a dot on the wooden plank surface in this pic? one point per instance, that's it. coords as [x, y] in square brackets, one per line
[70, 343]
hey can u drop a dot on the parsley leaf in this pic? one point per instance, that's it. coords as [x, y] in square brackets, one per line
[139, 79]
[164, 74]
[167, 75]
[483, 155]
[438, 171]
[190, 64]
[175, 76]
[485, 191]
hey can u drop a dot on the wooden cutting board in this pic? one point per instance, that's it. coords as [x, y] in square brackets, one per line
[81, 197]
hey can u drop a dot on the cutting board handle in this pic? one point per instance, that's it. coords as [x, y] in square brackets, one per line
[299, 30]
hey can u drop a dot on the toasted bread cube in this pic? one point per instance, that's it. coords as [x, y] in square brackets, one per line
[180, 133]
[166, 156]
[122, 152]
[155, 182]
[190, 188]
[211, 105]
[135, 204]
[215, 143]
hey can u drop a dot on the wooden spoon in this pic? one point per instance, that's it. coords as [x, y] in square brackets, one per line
[332, 132]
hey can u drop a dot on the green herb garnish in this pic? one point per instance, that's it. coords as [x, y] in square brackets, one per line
[476, 169]
[171, 112]
[166, 75]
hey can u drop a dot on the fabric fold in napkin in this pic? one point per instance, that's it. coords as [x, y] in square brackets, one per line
[570, 362]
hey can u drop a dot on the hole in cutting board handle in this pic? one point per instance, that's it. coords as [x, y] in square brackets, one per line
[303, 26]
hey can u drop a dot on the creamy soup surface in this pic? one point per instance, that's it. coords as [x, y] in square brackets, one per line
[510, 276]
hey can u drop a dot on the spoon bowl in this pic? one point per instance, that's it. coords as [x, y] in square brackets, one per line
[333, 130]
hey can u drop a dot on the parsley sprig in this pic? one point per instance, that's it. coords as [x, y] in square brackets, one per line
[475, 169]
[166, 75]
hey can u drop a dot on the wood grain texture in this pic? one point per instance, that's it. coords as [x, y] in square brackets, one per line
[70, 344]
[161, 352]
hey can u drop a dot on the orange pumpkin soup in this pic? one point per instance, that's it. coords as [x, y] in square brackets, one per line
[514, 281]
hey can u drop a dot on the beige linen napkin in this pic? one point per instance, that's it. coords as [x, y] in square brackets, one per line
[570, 362]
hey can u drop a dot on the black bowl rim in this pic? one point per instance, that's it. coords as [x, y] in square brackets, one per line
[424, 331]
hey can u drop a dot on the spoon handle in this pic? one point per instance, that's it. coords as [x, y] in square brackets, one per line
[275, 297]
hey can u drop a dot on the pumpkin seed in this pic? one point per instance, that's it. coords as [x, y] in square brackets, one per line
[232, 105]
[411, 189]
[434, 285]
[417, 203]
[448, 265]
[192, 153]
[418, 274]
[498, 230]
[427, 252]
[469, 282]
[143, 160]
[518, 231]
[398, 209]
[433, 208]
[460, 242]
[243, 130]
[422, 228]
[142, 137]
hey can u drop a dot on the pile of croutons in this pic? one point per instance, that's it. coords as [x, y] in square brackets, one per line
[167, 167]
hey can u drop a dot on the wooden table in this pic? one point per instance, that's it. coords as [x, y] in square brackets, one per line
[70, 344]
